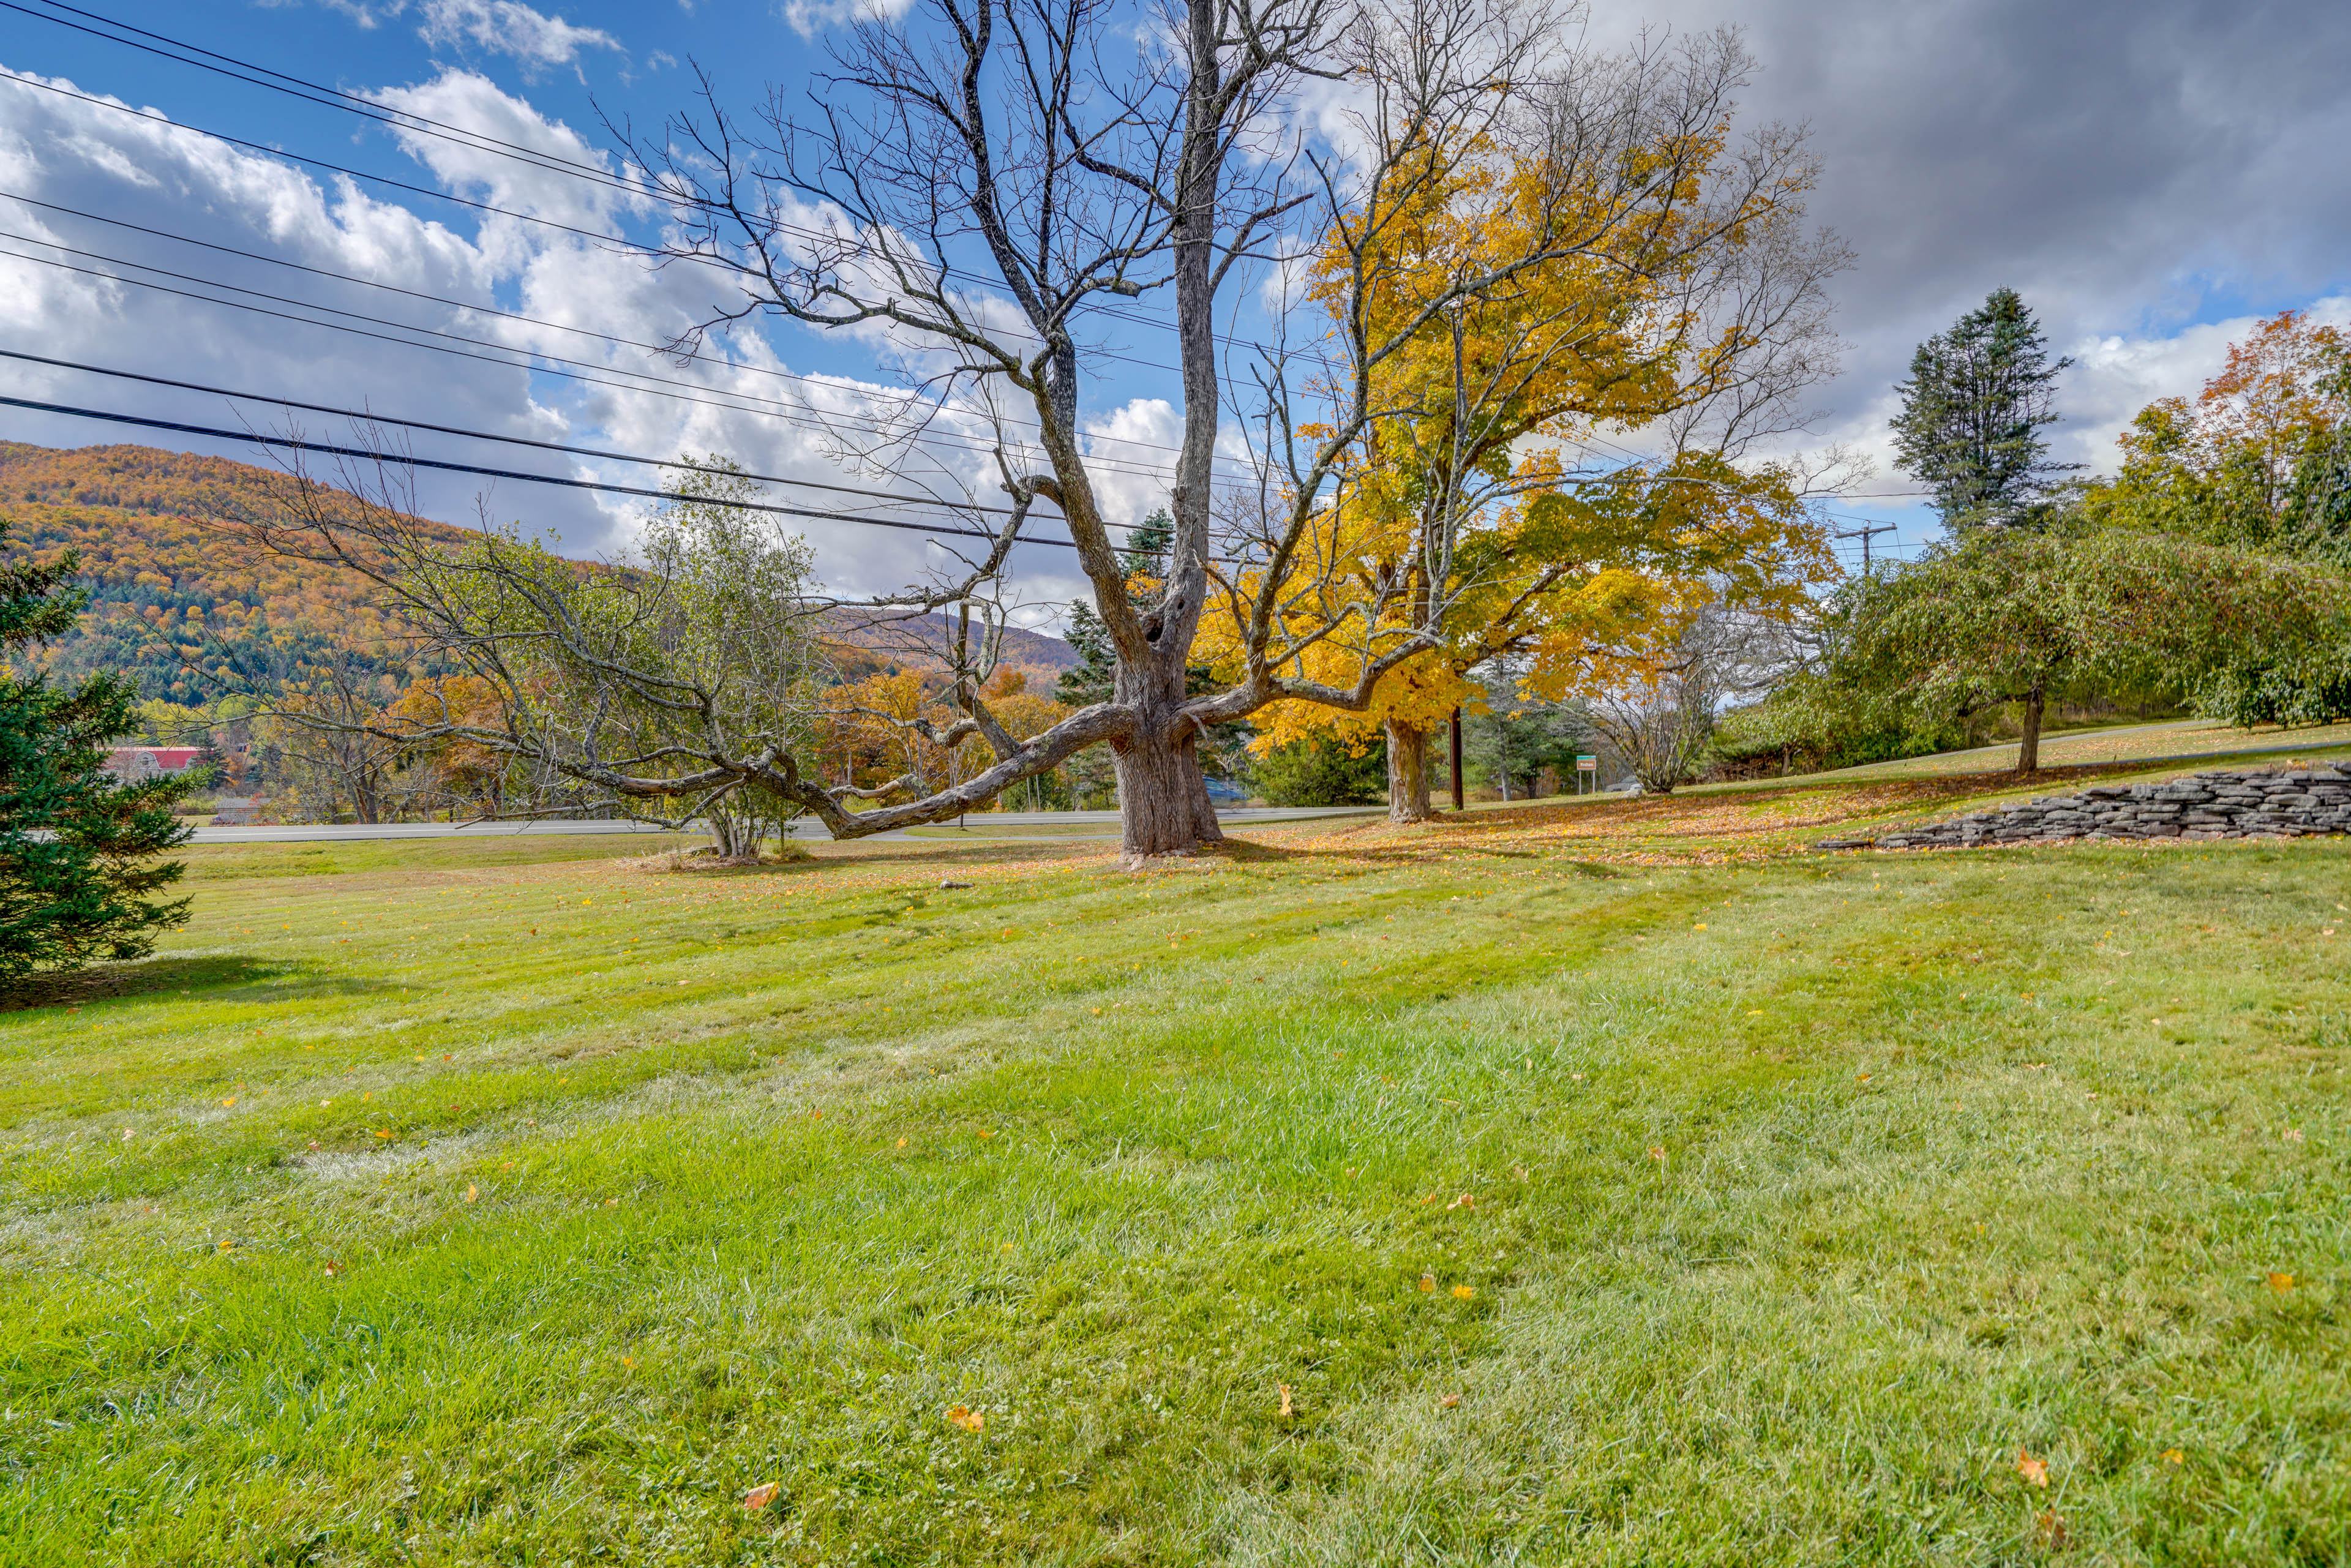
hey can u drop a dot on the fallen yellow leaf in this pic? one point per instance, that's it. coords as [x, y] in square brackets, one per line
[1463, 1293]
[1428, 1283]
[1288, 1409]
[969, 1420]
[472, 1192]
[2281, 1284]
[2174, 1457]
[760, 1496]
[1451, 1402]
[2032, 1470]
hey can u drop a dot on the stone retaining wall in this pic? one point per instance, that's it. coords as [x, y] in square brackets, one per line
[2219, 805]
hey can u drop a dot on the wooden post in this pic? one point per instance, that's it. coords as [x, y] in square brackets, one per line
[1457, 761]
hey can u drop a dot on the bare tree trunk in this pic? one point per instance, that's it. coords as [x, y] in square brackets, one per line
[1162, 798]
[2028, 749]
[1407, 773]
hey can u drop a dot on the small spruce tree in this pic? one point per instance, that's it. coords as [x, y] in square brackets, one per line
[77, 845]
[1973, 408]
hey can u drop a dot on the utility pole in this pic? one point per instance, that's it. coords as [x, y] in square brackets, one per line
[1457, 761]
[1865, 534]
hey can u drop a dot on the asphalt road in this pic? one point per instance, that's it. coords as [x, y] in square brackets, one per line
[807, 827]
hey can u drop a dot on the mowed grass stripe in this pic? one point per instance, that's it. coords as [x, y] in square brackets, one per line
[1727, 1295]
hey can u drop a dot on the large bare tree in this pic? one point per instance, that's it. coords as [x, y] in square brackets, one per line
[979, 181]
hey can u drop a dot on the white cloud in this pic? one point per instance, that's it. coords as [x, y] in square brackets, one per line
[508, 27]
[810, 17]
[499, 26]
[2115, 377]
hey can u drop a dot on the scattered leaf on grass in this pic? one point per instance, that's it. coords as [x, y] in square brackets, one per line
[1657, 1152]
[760, 1496]
[472, 1192]
[1451, 1402]
[1428, 1283]
[968, 1420]
[1288, 1409]
[1463, 1293]
[2032, 1470]
[2281, 1282]
[2174, 1457]
[1467, 1200]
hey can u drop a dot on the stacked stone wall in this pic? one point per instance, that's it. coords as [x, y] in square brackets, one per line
[2219, 805]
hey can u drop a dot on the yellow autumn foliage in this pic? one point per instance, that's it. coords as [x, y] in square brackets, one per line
[1457, 522]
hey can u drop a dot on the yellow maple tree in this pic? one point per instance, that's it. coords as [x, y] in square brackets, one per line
[1457, 529]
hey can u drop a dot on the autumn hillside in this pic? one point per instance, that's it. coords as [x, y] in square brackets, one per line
[197, 611]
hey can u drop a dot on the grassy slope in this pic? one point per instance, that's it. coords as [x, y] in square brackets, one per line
[2216, 744]
[1805, 1194]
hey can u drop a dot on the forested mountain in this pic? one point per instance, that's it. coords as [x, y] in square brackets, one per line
[195, 611]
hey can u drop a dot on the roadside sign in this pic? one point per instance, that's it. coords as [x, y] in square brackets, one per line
[1587, 765]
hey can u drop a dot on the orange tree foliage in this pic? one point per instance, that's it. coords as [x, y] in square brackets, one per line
[188, 608]
[2224, 467]
[887, 727]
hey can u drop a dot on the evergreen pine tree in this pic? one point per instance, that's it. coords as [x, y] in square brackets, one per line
[1146, 556]
[1972, 412]
[75, 844]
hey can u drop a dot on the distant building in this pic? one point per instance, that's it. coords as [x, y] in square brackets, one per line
[132, 763]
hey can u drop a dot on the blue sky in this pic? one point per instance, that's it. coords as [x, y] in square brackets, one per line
[2151, 175]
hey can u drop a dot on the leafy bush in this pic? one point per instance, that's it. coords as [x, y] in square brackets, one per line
[1321, 771]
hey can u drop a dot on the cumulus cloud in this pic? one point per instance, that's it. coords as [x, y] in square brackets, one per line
[810, 17]
[508, 27]
[494, 27]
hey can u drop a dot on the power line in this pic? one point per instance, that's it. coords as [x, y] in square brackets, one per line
[392, 289]
[454, 304]
[297, 87]
[806, 419]
[904, 399]
[293, 443]
[373, 418]
[408, 120]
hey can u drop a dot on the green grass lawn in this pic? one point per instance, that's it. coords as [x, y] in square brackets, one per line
[1314, 1205]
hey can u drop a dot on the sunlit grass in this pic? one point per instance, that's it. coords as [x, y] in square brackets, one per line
[427, 1208]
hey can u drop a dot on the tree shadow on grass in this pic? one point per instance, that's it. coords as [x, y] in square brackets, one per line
[219, 976]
